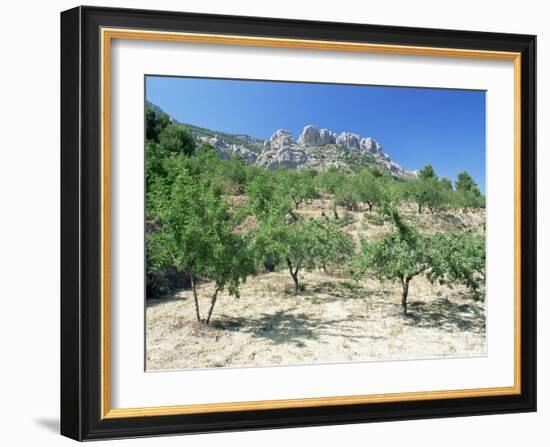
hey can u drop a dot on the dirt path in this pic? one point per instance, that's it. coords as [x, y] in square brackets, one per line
[333, 320]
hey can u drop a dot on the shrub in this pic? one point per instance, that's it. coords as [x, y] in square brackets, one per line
[177, 139]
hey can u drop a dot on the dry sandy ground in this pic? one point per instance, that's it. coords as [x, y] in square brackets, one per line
[333, 320]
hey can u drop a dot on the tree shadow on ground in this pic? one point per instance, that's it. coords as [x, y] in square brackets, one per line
[153, 302]
[328, 292]
[444, 314]
[286, 326]
[283, 327]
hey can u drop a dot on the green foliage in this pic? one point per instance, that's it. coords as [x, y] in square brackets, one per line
[427, 172]
[155, 123]
[376, 172]
[155, 159]
[348, 196]
[468, 199]
[467, 194]
[459, 258]
[366, 187]
[266, 199]
[369, 188]
[334, 247]
[301, 244]
[206, 163]
[402, 254]
[196, 236]
[465, 183]
[393, 190]
[378, 219]
[236, 174]
[299, 185]
[330, 180]
[177, 139]
[189, 199]
[435, 194]
[429, 193]
[446, 184]
[283, 237]
[343, 221]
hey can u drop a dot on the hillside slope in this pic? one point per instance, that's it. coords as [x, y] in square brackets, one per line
[318, 149]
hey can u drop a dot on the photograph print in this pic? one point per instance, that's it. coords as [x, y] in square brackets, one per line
[291, 223]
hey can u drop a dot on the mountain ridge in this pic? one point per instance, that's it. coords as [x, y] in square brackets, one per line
[315, 148]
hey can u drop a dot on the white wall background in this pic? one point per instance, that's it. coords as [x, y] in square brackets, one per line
[29, 228]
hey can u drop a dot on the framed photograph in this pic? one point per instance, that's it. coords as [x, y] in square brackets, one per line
[276, 223]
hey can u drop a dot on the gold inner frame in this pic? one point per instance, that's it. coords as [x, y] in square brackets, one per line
[107, 35]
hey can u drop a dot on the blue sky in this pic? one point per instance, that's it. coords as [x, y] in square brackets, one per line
[415, 126]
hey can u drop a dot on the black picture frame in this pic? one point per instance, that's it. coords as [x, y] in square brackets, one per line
[81, 224]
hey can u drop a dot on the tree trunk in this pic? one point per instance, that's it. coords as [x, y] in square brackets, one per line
[404, 295]
[269, 263]
[296, 283]
[419, 208]
[197, 310]
[212, 304]
[294, 274]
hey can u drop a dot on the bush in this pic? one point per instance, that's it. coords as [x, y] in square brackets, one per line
[368, 187]
[346, 195]
[330, 180]
[299, 185]
[459, 258]
[378, 219]
[155, 123]
[177, 139]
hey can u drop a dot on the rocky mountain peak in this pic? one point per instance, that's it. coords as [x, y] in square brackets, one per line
[348, 140]
[280, 139]
[315, 148]
[370, 146]
[311, 136]
[320, 149]
[282, 151]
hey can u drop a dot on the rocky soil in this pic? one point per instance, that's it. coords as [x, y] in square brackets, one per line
[334, 320]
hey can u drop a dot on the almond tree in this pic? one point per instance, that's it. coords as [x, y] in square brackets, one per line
[286, 238]
[196, 237]
[399, 255]
[459, 258]
[348, 196]
[404, 253]
[302, 244]
[467, 192]
[368, 187]
[429, 192]
[298, 185]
